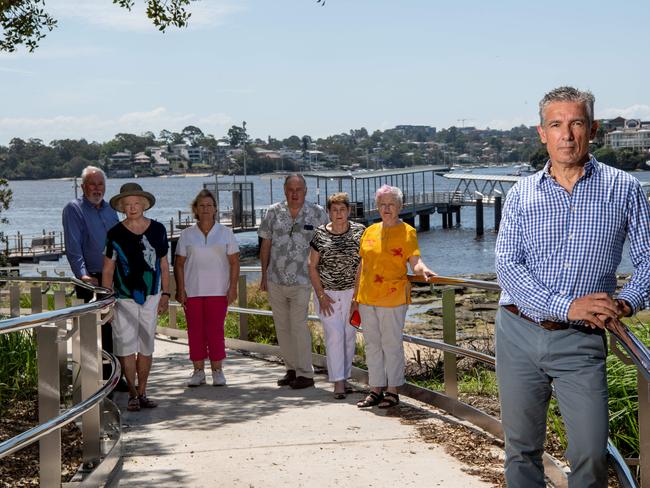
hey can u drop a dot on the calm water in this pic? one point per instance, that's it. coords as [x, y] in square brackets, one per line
[37, 205]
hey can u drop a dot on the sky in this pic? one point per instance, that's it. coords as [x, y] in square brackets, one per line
[292, 67]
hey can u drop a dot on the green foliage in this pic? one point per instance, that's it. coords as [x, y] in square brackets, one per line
[237, 135]
[260, 328]
[539, 158]
[18, 368]
[25, 22]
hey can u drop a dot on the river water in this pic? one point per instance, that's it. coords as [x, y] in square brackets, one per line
[37, 205]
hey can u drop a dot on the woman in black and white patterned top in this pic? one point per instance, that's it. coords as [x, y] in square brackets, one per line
[333, 262]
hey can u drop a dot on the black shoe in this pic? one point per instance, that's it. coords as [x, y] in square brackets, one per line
[302, 382]
[287, 378]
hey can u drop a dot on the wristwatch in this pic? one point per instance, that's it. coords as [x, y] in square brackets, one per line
[166, 293]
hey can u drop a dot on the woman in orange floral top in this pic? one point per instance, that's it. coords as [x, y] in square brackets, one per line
[383, 293]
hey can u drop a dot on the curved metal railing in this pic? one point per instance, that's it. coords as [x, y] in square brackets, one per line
[85, 407]
[30, 436]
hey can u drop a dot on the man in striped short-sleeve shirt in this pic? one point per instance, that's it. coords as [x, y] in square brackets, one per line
[558, 248]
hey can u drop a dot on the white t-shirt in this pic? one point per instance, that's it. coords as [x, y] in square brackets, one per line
[207, 270]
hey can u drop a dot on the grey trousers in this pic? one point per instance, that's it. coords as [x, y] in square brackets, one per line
[382, 334]
[290, 307]
[529, 360]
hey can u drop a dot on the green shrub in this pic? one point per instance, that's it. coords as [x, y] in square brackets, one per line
[18, 368]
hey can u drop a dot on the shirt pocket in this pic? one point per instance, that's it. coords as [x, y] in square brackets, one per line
[601, 224]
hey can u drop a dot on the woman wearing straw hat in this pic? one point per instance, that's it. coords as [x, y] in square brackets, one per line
[136, 267]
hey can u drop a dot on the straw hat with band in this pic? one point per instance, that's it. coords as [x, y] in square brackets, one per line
[131, 190]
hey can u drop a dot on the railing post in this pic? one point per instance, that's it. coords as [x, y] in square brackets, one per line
[243, 302]
[173, 319]
[644, 429]
[62, 345]
[14, 300]
[90, 382]
[449, 337]
[75, 345]
[49, 396]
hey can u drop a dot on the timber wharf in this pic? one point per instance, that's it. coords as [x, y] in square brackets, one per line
[420, 196]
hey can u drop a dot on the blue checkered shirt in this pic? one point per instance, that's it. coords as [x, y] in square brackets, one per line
[555, 246]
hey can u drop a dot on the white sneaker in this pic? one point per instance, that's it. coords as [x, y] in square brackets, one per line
[218, 379]
[197, 378]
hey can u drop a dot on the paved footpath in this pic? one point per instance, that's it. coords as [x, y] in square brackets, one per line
[253, 434]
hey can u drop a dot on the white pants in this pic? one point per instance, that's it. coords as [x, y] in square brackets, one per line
[134, 326]
[382, 333]
[340, 336]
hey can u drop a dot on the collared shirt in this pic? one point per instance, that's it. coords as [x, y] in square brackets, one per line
[85, 227]
[207, 268]
[555, 246]
[385, 252]
[290, 240]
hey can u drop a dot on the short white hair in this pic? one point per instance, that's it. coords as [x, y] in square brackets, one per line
[88, 170]
[393, 191]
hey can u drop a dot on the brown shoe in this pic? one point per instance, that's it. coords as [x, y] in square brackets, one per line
[302, 382]
[287, 378]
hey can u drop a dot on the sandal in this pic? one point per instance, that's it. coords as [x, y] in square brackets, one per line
[390, 400]
[371, 400]
[348, 388]
[133, 405]
[146, 402]
[339, 395]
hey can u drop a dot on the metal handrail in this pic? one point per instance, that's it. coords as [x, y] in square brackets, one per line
[39, 319]
[637, 351]
[30, 436]
[84, 407]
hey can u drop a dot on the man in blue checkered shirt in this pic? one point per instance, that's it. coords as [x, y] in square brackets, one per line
[560, 242]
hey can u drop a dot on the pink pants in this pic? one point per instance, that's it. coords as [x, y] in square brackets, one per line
[205, 318]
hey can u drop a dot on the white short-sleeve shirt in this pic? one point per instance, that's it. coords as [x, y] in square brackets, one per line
[207, 270]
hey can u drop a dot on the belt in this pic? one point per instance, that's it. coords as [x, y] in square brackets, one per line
[546, 324]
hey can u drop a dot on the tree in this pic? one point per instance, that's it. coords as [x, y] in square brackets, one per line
[25, 22]
[607, 155]
[5, 200]
[539, 157]
[192, 134]
[237, 136]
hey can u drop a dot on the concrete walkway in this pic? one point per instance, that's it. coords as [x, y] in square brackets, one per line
[253, 434]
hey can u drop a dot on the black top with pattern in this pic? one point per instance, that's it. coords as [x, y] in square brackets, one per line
[137, 260]
[339, 256]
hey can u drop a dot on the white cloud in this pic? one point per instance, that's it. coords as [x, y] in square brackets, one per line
[46, 51]
[106, 14]
[638, 111]
[16, 71]
[97, 128]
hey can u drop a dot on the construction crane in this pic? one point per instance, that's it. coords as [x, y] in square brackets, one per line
[463, 121]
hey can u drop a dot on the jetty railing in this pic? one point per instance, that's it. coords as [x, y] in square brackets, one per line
[637, 354]
[69, 366]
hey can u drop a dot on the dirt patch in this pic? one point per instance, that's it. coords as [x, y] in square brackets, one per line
[21, 468]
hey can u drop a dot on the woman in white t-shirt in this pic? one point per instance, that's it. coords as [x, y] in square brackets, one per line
[206, 271]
